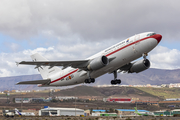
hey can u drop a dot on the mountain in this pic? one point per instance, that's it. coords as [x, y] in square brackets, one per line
[8, 83]
[150, 76]
[104, 92]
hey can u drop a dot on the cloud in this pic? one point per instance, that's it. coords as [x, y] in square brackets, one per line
[90, 20]
[76, 51]
[8, 65]
[161, 57]
[165, 58]
[14, 46]
[71, 30]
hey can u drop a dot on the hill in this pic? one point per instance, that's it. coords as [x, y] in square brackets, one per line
[104, 92]
[163, 93]
[150, 76]
[9, 83]
[89, 92]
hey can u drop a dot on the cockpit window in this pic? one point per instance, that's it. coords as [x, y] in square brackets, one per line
[150, 34]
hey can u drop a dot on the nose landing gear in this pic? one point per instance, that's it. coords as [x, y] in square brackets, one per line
[145, 55]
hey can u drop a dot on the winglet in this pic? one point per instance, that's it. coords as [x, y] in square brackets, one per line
[17, 63]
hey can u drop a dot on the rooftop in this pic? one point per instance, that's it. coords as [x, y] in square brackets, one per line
[52, 108]
[131, 110]
[99, 110]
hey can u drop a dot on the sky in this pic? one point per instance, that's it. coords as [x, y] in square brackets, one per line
[77, 29]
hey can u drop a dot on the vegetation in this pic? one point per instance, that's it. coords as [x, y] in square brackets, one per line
[162, 93]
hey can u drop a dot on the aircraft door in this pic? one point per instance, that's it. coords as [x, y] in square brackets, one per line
[136, 46]
[61, 74]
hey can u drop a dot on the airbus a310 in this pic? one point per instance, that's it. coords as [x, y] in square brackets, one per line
[116, 58]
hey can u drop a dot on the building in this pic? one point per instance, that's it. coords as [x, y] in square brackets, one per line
[87, 112]
[128, 111]
[23, 100]
[101, 111]
[61, 111]
[167, 112]
[118, 100]
[105, 114]
[66, 97]
[98, 112]
[175, 111]
[172, 85]
[164, 85]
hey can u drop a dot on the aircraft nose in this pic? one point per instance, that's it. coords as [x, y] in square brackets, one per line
[158, 37]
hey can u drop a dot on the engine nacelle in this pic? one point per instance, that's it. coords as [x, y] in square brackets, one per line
[140, 66]
[98, 63]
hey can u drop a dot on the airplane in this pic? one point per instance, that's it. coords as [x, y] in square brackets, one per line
[143, 113]
[23, 113]
[117, 58]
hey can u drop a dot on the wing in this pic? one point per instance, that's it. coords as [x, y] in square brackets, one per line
[44, 82]
[125, 68]
[75, 64]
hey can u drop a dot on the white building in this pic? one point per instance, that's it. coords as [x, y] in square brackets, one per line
[61, 111]
[66, 97]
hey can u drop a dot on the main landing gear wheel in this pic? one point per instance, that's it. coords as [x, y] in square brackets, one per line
[91, 80]
[115, 81]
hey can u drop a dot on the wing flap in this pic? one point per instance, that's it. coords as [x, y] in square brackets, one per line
[44, 82]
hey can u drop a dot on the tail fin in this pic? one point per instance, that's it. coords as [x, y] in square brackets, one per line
[17, 112]
[50, 113]
[44, 70]
[136, 111]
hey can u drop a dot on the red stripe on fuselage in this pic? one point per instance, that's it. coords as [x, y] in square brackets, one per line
[64, 76]
[127, 46]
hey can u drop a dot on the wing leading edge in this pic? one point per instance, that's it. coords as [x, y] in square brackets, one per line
[75, 64]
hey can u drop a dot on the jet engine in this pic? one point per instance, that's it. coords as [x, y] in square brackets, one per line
[139, 66]
[98, 63]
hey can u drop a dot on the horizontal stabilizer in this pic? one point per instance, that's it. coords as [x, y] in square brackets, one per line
[44, 82]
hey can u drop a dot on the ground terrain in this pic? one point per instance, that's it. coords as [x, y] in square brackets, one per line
[91, 97]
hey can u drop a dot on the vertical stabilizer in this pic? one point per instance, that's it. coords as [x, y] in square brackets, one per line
[17, 112]
[44, 70]
[135, 109]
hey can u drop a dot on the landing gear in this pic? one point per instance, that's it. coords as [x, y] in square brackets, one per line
[145, 55]
[90, 80]
[115, 81]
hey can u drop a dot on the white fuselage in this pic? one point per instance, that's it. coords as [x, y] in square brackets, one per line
[121, 53]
